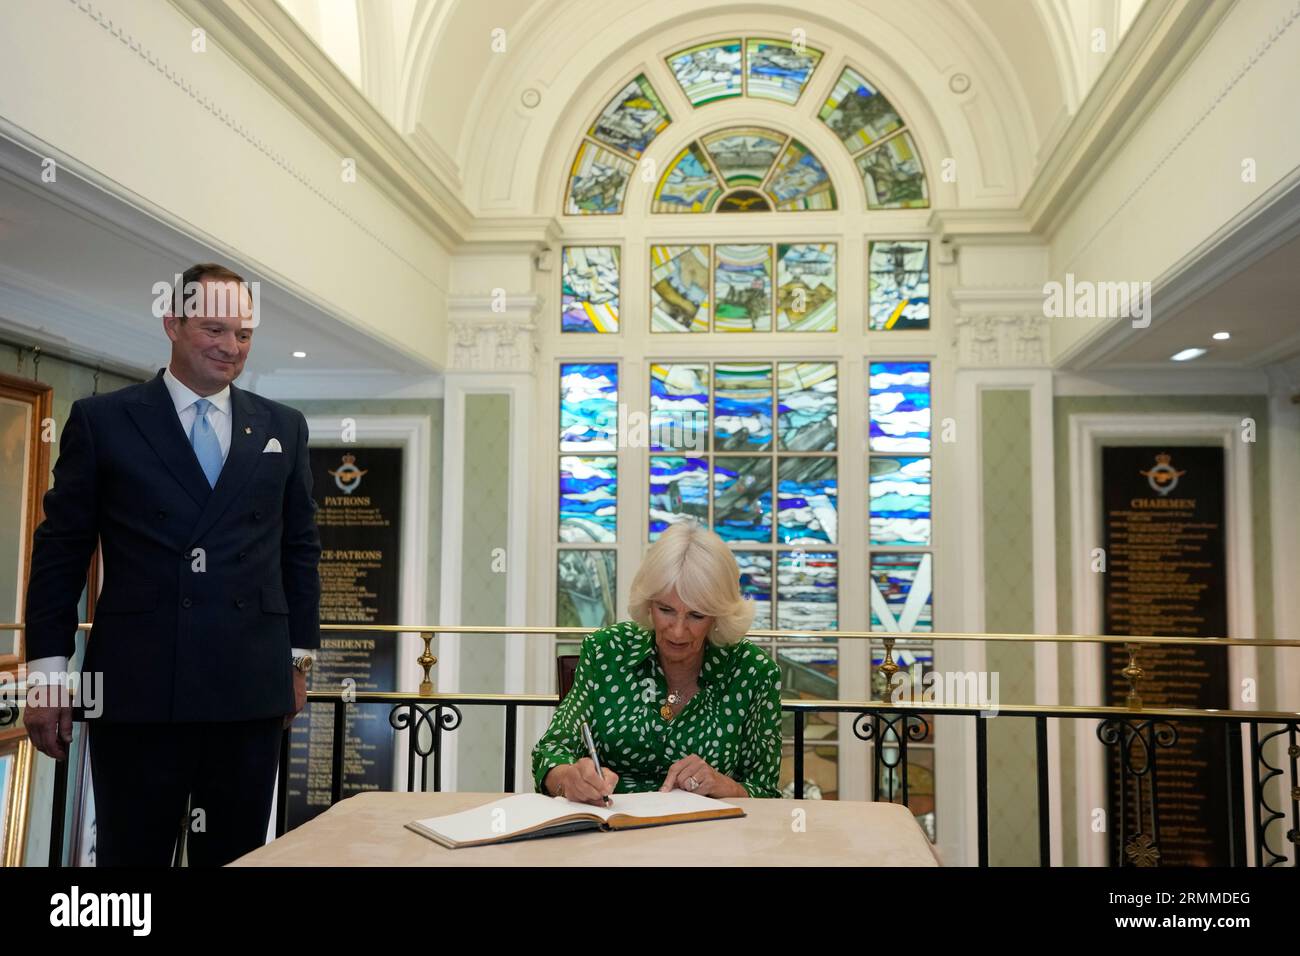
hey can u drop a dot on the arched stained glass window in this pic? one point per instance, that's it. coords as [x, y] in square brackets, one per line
[751, 169]
[746, 169]
[691, 389]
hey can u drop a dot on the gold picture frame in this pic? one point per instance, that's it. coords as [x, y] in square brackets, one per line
[26, 409]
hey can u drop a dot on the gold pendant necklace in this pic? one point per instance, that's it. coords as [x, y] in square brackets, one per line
[666, 711]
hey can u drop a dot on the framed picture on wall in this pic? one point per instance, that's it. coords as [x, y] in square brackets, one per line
[25, 438]
[25, 433]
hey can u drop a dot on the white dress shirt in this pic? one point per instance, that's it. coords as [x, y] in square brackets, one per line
[219, 417]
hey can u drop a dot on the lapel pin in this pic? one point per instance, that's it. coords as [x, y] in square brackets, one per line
[248, 430]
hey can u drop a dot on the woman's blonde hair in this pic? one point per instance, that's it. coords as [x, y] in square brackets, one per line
[695, 561]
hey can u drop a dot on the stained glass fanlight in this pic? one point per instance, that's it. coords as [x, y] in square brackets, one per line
[597, 181]
[589, 284]
[744, 169]
[743, 156]
[620, 134]
[709, 72]
[857, 113]
[632, 119]
[898, 292]
[882, 148]
[893, 175]
[689, 184]
[778, 69]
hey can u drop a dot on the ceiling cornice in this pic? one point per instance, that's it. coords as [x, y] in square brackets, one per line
[267, 42]
[1164, 37]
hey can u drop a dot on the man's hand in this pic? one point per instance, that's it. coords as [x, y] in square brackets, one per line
[48, 719]
[299, 695]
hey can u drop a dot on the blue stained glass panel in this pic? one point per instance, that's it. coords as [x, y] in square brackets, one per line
[756, 585]
[899, 286]
[899, 489]
[807, 405]
[588, 406]
[679, 408]
[742, 498]
[807, 492]
[742, 406]
[679, 491]
[807, 590]
[900, 592]
[899, 404]
[588, 498]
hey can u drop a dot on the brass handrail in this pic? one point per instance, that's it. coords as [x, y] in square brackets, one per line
[901, 706]
[990, 637]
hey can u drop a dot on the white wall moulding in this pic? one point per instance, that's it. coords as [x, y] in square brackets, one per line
[486, 334]
[1002, 341]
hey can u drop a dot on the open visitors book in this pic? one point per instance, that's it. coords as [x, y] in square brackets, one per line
[528, 815]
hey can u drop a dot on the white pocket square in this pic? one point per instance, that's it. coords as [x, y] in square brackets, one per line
[273, 445]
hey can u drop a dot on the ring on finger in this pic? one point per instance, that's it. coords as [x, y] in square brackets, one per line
[692, 784]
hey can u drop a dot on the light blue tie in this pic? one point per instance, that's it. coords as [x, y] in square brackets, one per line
[204, 442]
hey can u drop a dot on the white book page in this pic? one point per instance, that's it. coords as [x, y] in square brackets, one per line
[655, 804]
[506, 816]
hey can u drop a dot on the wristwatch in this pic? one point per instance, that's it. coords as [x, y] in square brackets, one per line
[301, 664]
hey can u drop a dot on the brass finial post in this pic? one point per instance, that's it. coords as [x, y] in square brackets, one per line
[1133, 673]
[888, 667]
[426, 660]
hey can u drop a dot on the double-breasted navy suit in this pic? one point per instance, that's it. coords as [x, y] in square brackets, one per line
[206, 589]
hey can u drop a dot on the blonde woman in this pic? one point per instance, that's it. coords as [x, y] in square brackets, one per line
[676, 698]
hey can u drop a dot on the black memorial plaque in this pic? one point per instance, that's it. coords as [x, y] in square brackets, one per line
[358, 494]
[1166, 576]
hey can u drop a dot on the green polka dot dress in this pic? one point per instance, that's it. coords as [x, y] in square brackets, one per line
[733, 721]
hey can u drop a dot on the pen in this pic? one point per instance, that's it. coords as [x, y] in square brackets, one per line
[591, 752]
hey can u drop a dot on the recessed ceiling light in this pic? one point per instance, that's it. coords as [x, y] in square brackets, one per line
[299, 354]
[1186, 355]
[1222, 336]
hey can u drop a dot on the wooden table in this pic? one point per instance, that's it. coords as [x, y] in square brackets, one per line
[369, 830]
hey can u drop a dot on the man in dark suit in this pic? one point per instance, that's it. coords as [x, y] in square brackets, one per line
[200, 495]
